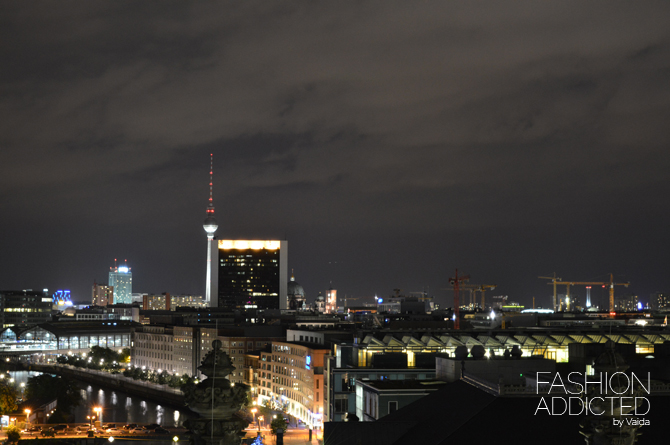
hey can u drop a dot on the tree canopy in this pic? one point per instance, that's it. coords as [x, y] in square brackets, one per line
[48, 387]
[8, 396]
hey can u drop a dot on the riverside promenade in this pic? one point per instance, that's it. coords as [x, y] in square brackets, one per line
[153, 391]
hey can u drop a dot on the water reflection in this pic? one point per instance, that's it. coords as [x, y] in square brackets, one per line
[134, 410]
[159, 414]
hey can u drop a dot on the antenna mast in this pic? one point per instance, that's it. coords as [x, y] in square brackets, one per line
[210, 206]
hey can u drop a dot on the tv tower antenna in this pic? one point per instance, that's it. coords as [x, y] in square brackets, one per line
[210, 227]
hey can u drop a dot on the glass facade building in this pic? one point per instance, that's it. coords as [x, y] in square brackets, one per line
[121, 279]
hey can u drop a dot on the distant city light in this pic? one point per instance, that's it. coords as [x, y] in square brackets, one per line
[537, 311]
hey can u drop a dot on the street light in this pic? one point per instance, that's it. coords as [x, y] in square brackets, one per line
[27, 411]
[90, 420]
[98, 411]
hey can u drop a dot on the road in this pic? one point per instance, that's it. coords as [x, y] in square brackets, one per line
[294, 436]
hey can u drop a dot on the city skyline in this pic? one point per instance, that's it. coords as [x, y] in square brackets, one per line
[390, 144]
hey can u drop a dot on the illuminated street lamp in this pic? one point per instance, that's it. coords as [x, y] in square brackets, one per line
[253, 411]
[27, 411]
[98, 411]
[90, 420]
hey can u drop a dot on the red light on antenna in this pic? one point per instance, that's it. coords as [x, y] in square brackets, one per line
[603, 286]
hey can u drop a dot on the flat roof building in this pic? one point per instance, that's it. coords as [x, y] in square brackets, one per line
[252, 274]
[121, 279]
[24, 307]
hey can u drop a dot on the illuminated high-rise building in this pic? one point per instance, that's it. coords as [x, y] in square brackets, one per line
[121, 279]
[210, 227]
[102, 295]
[252, 274]
[331, 300]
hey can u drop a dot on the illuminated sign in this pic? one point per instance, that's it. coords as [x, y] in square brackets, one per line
[123, 269]
[248, 244]
[61, 298]
[308, 362]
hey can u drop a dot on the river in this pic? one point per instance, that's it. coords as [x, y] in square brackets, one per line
[117, 407]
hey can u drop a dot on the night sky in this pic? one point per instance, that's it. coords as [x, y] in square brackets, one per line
[388, 142]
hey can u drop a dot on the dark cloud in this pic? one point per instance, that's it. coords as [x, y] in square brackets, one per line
[399, 140]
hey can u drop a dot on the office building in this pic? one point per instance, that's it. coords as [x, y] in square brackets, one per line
[252, 274]
[24, 307]
[164, 348]
[102, 295]
[121, 279]
[167, 302]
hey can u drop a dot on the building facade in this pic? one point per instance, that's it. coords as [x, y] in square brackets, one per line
[24, 307]
[252, 274]
[331, 301]
[121, 279]
[167, 302]
[102, 295]
[291, 377]
[164, 348]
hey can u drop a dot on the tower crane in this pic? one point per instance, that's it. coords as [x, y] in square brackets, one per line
[478, 288]
[482, 289]
[455, 282]
[609, 284]
[554, 280]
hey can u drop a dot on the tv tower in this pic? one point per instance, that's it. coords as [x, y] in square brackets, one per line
[210, 227]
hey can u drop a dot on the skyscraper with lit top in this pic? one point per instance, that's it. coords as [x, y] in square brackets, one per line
[210, 227]
[121, 279]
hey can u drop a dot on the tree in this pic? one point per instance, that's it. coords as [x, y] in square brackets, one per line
[48, 387]
[8, 396]
[278, 424]
[13, 433]
[124, 356]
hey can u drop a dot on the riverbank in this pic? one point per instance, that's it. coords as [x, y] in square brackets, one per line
[158, 393]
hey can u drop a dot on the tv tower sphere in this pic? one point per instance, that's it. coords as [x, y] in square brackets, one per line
[210, 226]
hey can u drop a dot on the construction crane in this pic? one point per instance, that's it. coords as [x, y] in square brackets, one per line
[456, 281]
[478, 288]
[349, 298]
[609, 284]
[554, 280]
[482, 289]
